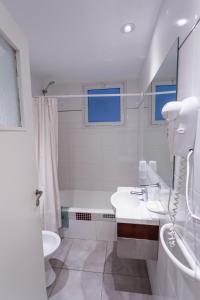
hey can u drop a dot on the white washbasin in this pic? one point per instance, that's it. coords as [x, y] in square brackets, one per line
[131, 208]
[124, 201]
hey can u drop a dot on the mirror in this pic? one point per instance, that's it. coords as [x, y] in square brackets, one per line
[154, 133]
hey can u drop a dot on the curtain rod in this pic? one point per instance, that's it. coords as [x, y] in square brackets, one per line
[108, 95]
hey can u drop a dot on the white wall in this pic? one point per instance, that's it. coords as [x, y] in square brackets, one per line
[36, 85]
[96, 158]
[165, 34]
[189, 86]
[166, 280]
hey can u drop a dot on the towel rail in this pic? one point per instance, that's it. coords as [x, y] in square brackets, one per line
[194, 270]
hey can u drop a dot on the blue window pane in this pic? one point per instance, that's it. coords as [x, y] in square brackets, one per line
[161, 100]
[104, 109]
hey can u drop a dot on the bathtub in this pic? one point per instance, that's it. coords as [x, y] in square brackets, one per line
[91, 215]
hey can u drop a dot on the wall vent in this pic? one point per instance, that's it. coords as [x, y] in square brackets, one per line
[84, 216]
[108, 216]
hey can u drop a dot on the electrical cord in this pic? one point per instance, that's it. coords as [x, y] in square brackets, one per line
[193, 216]
[176, 197]
[174, 210]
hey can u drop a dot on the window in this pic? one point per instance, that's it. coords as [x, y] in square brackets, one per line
[9, 97]
[158, 101]
[104, 110]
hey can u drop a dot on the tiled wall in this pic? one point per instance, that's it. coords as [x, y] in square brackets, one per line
[96, 158]
[189, 86]
[166, 280]
[93, 230]
[155, 144]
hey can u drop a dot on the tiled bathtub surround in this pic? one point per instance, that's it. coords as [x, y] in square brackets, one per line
[92, 199]
[96, 157]
[91, 270]
[87, 214]
[91, 215]
[94, 230]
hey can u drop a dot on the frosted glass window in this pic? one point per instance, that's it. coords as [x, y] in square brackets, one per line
[161, 100]
[9, 95]
[104, 109]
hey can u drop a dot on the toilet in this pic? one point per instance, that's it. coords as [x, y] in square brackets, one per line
[51, 242]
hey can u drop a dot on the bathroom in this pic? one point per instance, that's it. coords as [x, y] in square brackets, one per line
[94, 183]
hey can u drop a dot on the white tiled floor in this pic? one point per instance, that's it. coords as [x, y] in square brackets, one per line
[77, 285]
[91, 270]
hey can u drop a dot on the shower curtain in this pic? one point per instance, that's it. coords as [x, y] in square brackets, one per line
[46, 129]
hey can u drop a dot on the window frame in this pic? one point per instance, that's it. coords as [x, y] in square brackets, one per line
[18, 54]
[120, 85]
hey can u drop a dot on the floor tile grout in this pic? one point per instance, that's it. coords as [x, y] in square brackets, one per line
[101, 295]
[78, 270]
[96, 272]
[104, 241]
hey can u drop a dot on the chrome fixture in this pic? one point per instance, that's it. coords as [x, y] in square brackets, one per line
[152, 185]
[143, 193]
[45, 90]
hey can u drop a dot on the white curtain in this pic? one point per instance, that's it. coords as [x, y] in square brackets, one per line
[46, 128]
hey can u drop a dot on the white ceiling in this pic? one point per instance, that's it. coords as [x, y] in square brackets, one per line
[80, 40]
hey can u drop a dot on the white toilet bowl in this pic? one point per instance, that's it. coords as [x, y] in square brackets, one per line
[51, 242]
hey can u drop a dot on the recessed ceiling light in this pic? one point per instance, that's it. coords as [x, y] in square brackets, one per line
[127, 28]
[182, 22]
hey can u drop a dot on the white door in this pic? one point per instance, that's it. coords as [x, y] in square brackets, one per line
[22, 274]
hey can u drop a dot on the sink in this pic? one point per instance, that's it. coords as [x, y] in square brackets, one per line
[124, 201]
[130, 209]
[137, 228]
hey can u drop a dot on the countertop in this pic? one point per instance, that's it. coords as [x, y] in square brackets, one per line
[138, 214]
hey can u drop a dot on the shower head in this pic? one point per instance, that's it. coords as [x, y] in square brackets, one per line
[45, 90]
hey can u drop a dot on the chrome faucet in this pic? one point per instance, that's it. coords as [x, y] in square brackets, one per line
[157, 184]
[143, 193]
[144, 190]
